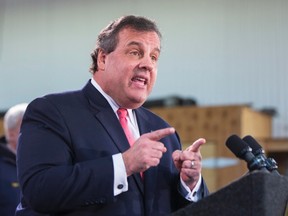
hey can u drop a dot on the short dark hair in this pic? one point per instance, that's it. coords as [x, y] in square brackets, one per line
[108, 38]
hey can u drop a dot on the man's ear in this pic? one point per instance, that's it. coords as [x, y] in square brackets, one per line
[12, 135]
[101, 59]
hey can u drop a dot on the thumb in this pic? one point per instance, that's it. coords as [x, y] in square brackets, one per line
[176, 155]
[195, 147]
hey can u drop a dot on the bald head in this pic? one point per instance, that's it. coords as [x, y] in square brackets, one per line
[12, 122]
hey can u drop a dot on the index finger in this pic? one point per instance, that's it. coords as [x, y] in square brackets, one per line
[196, 145]
[161, 133]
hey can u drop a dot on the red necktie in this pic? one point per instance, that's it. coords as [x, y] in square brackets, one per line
[122, 113]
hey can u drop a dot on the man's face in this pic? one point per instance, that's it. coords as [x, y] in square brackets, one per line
[129, 72]
[12, 135]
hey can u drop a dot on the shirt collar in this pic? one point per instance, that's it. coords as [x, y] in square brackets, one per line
[112, 103]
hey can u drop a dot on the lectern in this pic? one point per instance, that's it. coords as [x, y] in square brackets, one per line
[256, 194]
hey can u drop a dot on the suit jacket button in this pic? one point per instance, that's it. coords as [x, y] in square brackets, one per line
[120, 186]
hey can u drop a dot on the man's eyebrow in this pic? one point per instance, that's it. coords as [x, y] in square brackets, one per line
[134, 43]
[140, 44]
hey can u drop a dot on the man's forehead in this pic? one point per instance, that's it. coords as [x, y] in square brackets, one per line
[133, 36]
[130, 30]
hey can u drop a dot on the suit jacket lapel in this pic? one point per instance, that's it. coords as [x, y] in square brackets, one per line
[106, 116]
[103, 112]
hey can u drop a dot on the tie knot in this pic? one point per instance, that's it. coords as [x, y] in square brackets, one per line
[122, 113]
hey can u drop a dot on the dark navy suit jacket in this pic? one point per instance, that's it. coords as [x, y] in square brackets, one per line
[65, 160]
[9, 187]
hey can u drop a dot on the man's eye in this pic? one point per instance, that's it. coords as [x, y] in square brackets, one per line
[135, 53]
[154, 58]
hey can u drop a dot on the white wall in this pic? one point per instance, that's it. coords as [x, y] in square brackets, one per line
[216, 51]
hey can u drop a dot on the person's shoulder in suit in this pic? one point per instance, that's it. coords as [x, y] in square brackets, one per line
[6, 154]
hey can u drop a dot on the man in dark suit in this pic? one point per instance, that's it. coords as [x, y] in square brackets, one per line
[9, 186]
[74, 157]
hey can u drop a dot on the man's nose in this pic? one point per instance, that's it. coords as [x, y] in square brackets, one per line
[147, 63]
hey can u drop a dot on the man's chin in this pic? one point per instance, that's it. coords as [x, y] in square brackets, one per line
[136, 102]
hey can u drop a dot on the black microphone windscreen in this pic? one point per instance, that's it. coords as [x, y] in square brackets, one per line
[256, 147]
[259, 152]
[236, 145]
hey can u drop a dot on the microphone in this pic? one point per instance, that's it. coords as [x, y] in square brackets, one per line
[243, 151]
[259, 152]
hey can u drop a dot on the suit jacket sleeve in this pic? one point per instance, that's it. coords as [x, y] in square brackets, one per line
[48, 176]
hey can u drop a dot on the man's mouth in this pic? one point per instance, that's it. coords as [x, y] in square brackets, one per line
[140, 80]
